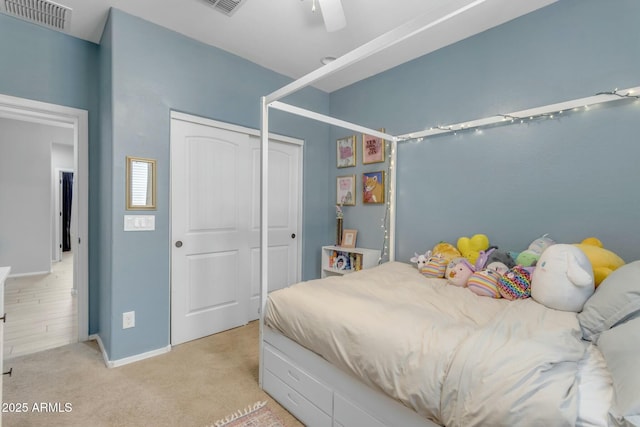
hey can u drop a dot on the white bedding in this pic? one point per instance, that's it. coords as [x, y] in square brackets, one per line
[454, 357]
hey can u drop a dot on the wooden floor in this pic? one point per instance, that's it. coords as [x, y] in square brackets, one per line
[41, 310]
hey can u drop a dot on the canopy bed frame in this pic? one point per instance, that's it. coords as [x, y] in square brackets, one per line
[344, 399]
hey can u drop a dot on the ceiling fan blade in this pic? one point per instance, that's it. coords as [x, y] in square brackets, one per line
[333, 14]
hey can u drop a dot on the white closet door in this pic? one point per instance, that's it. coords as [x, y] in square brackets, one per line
[215, 219]
[209, 213]
[284, 199]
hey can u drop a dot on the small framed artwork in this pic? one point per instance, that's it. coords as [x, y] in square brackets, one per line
[372, 149]
[346, 151]
[349, 238]
[373, 187]
[346, 190]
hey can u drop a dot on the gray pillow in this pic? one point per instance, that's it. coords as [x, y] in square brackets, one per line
[620, 347]
[616, 299]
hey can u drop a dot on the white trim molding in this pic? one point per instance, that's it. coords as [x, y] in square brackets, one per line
[58, 115]
[127, 360]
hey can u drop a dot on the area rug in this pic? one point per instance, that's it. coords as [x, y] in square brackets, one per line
[256, 415]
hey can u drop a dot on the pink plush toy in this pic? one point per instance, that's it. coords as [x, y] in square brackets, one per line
[458, 271]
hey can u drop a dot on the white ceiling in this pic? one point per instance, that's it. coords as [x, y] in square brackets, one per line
[287, 37]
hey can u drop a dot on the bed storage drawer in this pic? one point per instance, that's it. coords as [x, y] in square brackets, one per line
[298, 380]
[346, 414]
[294, 402]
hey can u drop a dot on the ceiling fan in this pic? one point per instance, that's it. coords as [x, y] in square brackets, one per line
[332, 14]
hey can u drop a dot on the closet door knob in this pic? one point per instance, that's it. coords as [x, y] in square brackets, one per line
[293, 235]
[179, 244]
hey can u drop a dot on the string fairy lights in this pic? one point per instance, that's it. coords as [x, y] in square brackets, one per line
[386, 220]
[547, 112]
[550, 111]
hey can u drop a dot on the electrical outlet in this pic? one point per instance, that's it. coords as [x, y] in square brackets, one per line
[128, 319]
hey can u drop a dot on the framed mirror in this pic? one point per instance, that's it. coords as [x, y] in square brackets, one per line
[141, 183]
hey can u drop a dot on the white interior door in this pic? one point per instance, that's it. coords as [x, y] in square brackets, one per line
[215, 226]
[284, 208]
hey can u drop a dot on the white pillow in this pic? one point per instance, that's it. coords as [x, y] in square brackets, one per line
[620, 347]
[616, 299]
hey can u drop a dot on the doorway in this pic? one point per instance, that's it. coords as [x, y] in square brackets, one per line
[215, 223]
[40, 113]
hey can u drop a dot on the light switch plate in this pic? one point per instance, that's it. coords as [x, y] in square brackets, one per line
[139, 222]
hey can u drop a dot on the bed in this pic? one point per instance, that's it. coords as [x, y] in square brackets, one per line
[388, 346]
[335, 351]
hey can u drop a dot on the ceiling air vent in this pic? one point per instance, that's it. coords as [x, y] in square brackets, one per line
[41, 12]
[228, 7]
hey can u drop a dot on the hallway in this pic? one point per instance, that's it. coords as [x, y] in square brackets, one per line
[41, 310]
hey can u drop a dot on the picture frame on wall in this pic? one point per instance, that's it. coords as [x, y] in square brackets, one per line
[373, 188]
[346, 190]
[349, 238]
[372, 149]
[346, 152]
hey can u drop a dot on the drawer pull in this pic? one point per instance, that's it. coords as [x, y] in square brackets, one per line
[292, 375]
[9, 372]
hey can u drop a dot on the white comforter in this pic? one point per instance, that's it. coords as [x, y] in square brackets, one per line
[452, 356]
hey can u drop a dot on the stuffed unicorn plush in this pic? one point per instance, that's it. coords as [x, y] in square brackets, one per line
[563, 278]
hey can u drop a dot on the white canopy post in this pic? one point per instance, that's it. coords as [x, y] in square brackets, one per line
[264, 224]
[329, 120]
[392, 199]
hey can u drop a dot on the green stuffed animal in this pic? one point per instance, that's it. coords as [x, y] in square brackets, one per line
[531, 255]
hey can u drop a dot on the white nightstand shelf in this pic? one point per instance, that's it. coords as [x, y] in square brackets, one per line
[338, 260]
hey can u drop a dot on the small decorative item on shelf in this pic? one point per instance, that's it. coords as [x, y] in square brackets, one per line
[339, 219]
[349, 238]
[342, 262]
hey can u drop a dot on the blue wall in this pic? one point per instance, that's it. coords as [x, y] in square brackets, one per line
[48, 66]
[129, 84]
[154, 71]
[572, 177]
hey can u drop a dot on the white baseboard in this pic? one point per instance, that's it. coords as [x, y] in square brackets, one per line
[34, 273]
[130, 359]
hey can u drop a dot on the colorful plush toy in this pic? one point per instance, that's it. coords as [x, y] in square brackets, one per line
[470, 247]
[563, 278]
[429, 265]
[446, 250]
[603, 261]
[515, 283]
[530, 256]
[458, 271]
[485, 283]
[434, 267]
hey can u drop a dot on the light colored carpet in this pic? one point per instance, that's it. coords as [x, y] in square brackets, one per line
[195, 384]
